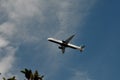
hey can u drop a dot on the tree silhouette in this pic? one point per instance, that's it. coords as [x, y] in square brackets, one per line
[13, 78]
[29, 75]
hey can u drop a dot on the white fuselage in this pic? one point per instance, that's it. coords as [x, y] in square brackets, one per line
[64, 44]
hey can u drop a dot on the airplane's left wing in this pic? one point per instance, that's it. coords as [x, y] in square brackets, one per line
[63, 50]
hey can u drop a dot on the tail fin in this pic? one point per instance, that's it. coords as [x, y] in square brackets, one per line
[82, 48]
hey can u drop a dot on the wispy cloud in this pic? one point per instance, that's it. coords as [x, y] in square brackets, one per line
[7, 61]
[80, 76]
[3, 43]
[32, 21]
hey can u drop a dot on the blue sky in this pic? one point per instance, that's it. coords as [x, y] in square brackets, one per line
[25, 26]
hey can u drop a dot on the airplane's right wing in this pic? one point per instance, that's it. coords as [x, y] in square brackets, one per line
[69, 39]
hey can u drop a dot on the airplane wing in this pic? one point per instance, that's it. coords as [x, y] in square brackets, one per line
[69, 39]
[63, 50]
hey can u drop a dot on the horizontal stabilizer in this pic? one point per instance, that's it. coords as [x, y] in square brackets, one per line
[82, 48]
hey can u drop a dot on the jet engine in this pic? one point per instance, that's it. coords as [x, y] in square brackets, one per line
[60, 47]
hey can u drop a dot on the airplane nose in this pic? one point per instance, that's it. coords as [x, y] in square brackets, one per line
[49, 39]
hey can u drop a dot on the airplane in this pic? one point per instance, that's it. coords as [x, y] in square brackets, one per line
[65, 43]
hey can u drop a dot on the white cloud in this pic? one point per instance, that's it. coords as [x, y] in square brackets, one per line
[35, 20]
[68, 14]
[18, 9]
[3, 43]
[7, 61]
[7, 29]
